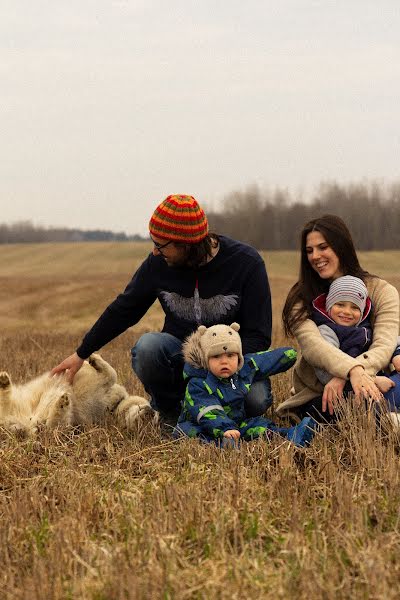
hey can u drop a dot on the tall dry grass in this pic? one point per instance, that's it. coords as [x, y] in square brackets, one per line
[106, 514]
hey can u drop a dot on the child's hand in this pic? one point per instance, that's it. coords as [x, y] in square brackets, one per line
[232, 433]
[396, 363]
[384, 384]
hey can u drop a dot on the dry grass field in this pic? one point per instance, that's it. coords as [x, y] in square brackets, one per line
[105, 514]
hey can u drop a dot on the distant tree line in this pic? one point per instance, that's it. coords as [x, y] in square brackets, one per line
[273, 220]
[270, 220]
[25, 231]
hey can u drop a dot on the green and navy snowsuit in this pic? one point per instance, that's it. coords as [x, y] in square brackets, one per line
[214, 405]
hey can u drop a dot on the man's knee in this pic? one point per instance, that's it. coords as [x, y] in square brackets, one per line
[259, 399]
[146, 344]
[157, 361]
[154, 351]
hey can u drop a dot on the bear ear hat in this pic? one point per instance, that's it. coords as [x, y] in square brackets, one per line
[202, 329]
[235, 326]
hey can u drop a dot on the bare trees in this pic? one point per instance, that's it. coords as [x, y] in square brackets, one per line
[274, 220]
[270, 219]
[25, 231]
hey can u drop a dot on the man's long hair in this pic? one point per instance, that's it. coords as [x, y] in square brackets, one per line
[198, 254]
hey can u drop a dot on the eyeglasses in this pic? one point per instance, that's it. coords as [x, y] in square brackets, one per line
[158, 246]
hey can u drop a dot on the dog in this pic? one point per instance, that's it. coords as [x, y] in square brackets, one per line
[53, 401]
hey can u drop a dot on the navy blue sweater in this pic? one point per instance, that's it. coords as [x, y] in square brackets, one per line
[233, 286]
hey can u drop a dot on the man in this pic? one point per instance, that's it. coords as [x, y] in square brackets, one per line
[199, 278]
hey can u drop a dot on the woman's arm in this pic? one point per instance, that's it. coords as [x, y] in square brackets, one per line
[321, 354]
[385, 301]
[362, 383]
[318, 353]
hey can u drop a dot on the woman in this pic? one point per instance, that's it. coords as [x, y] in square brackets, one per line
[327, 252]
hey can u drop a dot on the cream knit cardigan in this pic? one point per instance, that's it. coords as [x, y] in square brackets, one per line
[316, 352]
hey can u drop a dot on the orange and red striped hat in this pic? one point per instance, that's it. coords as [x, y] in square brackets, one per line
[179, 218]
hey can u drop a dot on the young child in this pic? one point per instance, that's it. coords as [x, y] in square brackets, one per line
[342, 319]
[218, 379]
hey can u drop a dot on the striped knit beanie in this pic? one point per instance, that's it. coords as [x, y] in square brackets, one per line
[179, 218]
[347, 288]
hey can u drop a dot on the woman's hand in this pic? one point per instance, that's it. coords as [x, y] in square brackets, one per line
[232, 433]
[363, 385]
[332, 391]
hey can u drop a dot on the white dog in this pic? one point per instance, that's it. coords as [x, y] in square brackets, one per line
[53, 401]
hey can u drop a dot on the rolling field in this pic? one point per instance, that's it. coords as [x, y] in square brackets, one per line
[105, 514]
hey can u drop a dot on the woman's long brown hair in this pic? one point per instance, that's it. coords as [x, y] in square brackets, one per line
[299, 301]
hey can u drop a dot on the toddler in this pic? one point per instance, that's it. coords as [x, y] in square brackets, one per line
[342, 316]
[218, 379]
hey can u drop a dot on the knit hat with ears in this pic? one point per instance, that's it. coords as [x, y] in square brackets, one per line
[347, 288]
[179, 218]
[219, 339]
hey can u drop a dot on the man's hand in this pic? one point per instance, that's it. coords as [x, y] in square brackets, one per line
[71, 365]
[232, 433]
[332, 391]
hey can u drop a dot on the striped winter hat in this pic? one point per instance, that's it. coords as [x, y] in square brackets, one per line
[179, 218]
[347, 288]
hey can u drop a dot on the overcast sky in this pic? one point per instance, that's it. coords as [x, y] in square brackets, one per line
[109, 106]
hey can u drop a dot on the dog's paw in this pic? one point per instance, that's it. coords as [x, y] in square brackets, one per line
[16, 428]
[93, 361]
[5, 380]
[64, 401]
[58, 414]
[148, 415]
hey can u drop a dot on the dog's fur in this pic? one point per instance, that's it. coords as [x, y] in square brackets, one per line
[53, 401]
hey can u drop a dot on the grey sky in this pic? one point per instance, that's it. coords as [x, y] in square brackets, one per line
[109, 106]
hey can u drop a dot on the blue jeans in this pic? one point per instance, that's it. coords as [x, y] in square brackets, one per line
[158, 362]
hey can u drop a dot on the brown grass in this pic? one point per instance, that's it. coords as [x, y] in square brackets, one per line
[103, 514]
